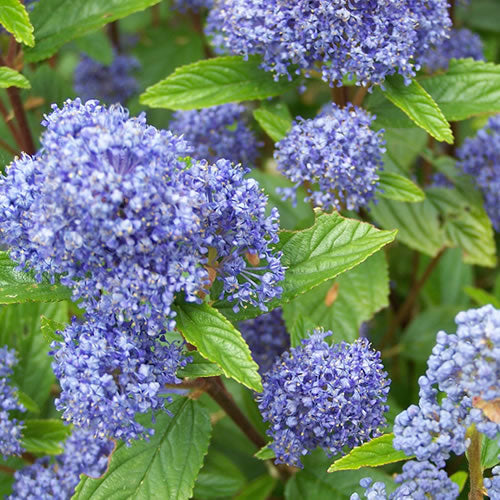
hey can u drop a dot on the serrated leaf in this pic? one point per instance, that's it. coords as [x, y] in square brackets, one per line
[482, 297]
[27, 402]
[11, 78]
[374, 453]
[212, 82]
[45, 436]
[460, 478]
[258, 489]
[218, 341]
[275, 120]
[419, 106]
[265, 453]
[56, 22]
[332, 246]
[17, 287]
[50, 328]
[397, 187]
[165, 466]
[468, 88]
[15, 19]
[199, 367]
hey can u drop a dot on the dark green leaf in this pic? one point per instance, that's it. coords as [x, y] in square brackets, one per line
[219, 341]
[468, 88]
[97, 46]
[490, 450]
[258, 489]
[275, 120]
[15, 19]
[374, 453]
[11, 78]
[482, 297]
[419, 106]
[50, 328]
[397, 187]
[165, 466]
[265, 453]
[315, 255]
[45, 437]
[200, 367]
[17, 287]
[27, 402]
[59, 21]
[212, 82]
[483, 15]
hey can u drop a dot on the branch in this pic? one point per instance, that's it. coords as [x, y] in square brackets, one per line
[475, 468]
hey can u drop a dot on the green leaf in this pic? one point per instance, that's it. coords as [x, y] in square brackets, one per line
[275, 120]
[490, 450]
[419, 106]
[258, 489]
[15, 19]
[341, 306]
[11, 78]
[265, 453]
[397, 187]
[460, 478]
[332, 246]
[374, 453]
[27, 402]
[45, 437]
[97, 46]
[200, 367]
[50, 328]
[17, 287]
[482, 297]
[56, 22]
[219, 477]
[483, 15]
[219, 341]
[165, 466]
[468, 88]
[212, 82]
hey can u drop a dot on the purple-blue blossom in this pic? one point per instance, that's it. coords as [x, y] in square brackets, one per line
[321, 395]
[218, 132]
[10, 427]
[336, 154]
[462, 44]
[109, 372]
[113, 83]
[267, 338]
[492, 484]
[365, 39]
[57, 479]
[479, 157]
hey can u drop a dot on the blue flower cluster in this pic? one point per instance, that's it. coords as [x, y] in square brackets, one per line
[337, 153]
[492, 484]
[113, 83]
[111, 206]
[480, 157]
[322, 395]
[461, 45]
[109, 372]
[57, 479]
[419, 481]
[10, 428]
[218, 132]
[267, 338]
[366, 39]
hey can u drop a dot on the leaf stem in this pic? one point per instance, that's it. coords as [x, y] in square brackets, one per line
[17, 107]
[475, 469]
[114, 35]
[16, 134]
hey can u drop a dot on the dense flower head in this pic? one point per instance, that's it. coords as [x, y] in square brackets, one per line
[462, 44]
[479, 156]
[322, 395]
[112, 205]
[112, 83]
[109, 372]
[492, 484]
[337, 153]
[267, 338]
[218, 132]
[10, 427]
[365, 39]
[57, 479]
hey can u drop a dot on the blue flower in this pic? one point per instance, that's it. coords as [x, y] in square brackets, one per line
[336, 153]
[218, 132]
[365, 39]
[322, 395]
[480, 157]
[492, 484]
[10, 428]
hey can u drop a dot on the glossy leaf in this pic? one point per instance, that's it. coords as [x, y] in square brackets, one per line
[490, 449]
[50, 329]
[397, 187]
[460, 478]
[275, 120]
[265, 453]
[258, 489]
[45, 437]
[199, 367]
[15, 19]
[11, 78]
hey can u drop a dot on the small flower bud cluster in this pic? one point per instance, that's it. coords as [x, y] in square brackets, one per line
[57, 479]
[322, 395]
[480, 157]
[218, 132]
[461, 45]
[267, 338]
[366, 39]
[337, 153]
[10, 428]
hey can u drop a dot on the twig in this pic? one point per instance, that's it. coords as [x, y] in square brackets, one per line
[198, 27]
[114, 35]
[7, 470]
[155, 14]
[17, 107]
[359, 96]
[475, 468]
[339, 96]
